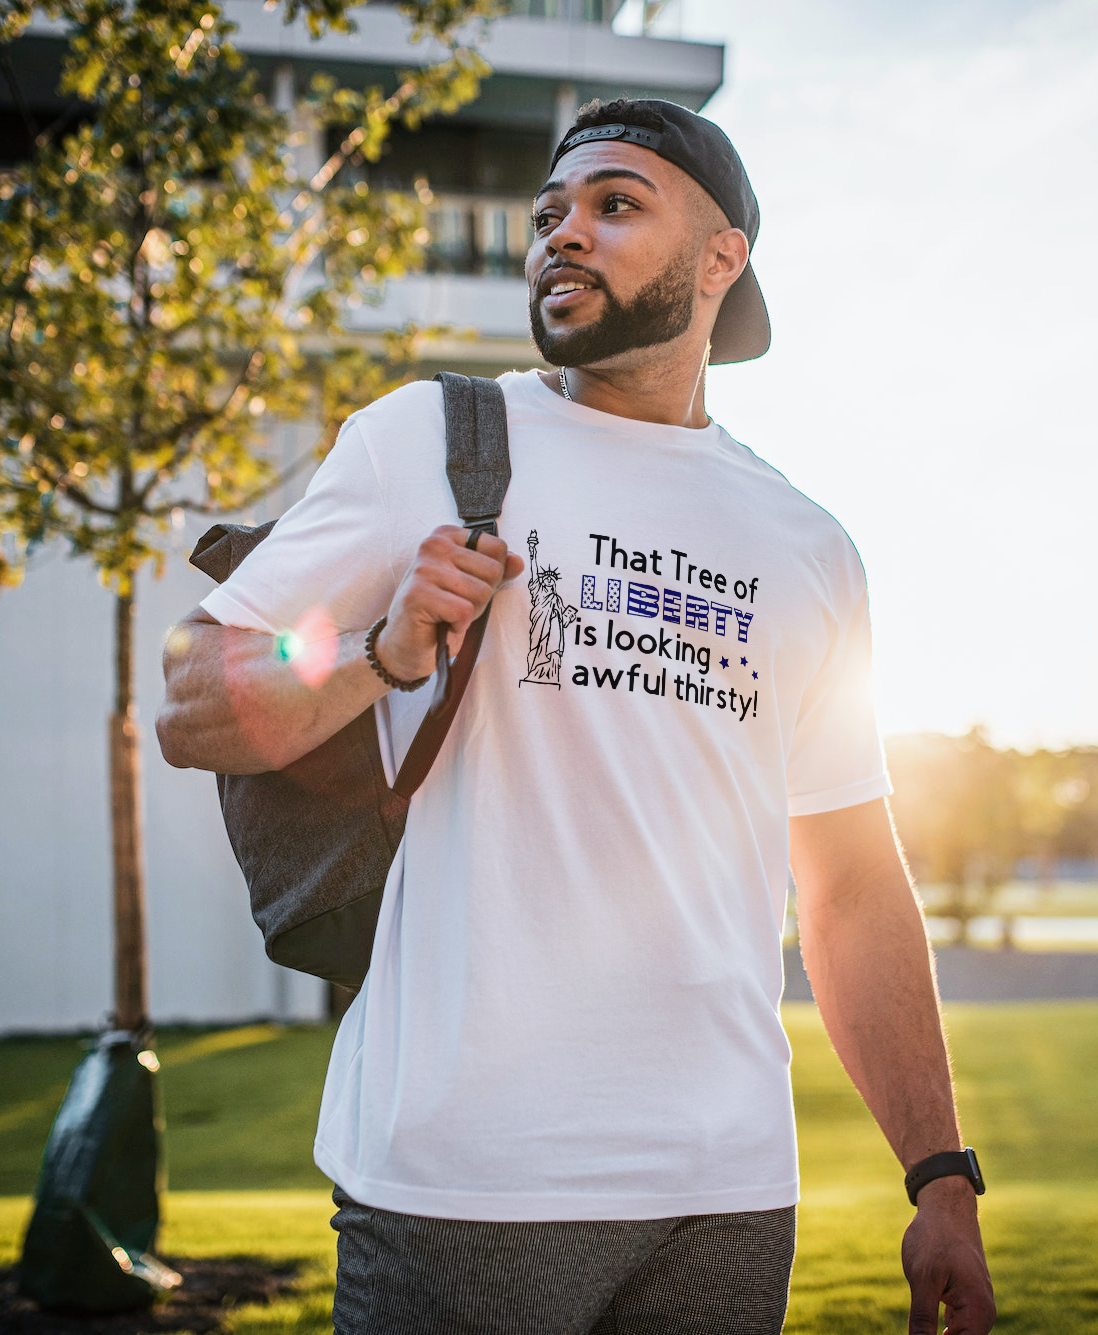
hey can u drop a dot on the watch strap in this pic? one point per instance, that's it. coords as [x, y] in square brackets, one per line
[950, 1163]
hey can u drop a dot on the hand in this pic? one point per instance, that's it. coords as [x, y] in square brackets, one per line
[944, 1262]
[446, 581]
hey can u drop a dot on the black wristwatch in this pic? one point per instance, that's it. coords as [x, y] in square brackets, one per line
[953, 1163]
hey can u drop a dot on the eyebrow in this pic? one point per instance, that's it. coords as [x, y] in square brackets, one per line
[603, 174]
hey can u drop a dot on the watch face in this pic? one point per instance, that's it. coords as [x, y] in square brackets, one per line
[976, 1177]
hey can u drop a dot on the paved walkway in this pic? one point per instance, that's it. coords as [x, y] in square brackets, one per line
[966, 974]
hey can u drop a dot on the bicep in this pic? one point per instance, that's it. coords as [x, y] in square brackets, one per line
[203, 658]
[202, 653]
[182, 641]
[189, 642]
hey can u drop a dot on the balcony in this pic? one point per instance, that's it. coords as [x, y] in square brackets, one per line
[473, 281]
[478, 234]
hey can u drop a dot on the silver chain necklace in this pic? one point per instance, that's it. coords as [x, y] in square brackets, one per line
[564, 385]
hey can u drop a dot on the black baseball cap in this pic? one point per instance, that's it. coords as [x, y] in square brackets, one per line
[702, 150]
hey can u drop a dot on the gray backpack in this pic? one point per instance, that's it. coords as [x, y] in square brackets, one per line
[315, 840]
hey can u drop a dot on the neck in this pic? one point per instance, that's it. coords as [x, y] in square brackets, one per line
[669, 390]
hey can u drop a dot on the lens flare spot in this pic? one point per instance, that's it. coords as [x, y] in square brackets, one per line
[318, 645]
[149, 1060]
[178, 640]
[288, 646]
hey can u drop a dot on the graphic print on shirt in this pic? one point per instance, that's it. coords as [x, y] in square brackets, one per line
[671, 659]
[549, 617]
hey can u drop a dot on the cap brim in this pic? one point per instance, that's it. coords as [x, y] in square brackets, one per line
[742, 330]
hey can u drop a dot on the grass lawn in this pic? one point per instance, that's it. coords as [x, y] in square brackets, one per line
[240, 1107]
[1027, 1082]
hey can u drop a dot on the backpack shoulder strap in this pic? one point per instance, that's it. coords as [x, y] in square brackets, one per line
[478, 463]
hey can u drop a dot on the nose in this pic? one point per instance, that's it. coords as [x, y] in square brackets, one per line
[570, 234]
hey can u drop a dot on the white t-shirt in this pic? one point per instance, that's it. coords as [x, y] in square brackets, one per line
[572, 1009]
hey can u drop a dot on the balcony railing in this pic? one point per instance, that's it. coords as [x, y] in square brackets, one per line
[478, 234]
[585, 11]
[576, 11]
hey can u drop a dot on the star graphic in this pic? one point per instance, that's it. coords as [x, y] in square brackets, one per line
[743, 662]
[724, 662]
[754, 676]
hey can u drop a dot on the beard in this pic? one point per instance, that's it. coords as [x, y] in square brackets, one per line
[660, 311]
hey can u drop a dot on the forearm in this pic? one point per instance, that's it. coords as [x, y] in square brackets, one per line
[235, 702]
[868, 959]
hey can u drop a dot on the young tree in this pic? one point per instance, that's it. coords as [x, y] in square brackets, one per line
[167, 279]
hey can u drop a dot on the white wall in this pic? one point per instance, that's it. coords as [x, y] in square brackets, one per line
[206, 960]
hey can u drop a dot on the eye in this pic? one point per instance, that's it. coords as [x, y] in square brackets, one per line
[619, 204]
[542, 220]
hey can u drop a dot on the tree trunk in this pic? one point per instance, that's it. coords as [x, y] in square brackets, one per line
[130, 974]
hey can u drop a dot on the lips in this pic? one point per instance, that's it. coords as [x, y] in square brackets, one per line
[561, 282]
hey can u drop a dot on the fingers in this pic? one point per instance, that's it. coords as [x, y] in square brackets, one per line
[923, 1318]
[446, 573]
[490, 545]
[944, 1262]
[971, 1309]
[926, 1291]
[447, 581]
[485, 557]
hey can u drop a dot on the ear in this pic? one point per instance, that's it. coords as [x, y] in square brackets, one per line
[724, 258]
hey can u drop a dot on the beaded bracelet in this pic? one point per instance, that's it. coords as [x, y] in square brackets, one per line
[386, 676]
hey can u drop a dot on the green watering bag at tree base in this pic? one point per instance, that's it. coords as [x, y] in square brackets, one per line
[96, 1212]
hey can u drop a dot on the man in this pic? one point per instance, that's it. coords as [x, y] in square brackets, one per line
[561, 1102]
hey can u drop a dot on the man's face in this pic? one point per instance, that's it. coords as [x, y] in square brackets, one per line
[614, 264]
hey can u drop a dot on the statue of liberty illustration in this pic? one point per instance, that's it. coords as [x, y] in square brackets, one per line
[548, 618]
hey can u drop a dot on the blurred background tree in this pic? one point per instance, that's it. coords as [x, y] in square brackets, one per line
[167, 281]
[1057, 810]
[968, 815]
[955, 809]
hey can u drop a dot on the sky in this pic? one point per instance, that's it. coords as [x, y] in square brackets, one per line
[928, 181]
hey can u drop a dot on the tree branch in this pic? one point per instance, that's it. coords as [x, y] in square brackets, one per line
[60, 483]
[194, 422]
[250, 498]
[81, 497]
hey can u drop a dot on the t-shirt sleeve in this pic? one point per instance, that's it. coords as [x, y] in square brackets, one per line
[836, 758]
[326, 566]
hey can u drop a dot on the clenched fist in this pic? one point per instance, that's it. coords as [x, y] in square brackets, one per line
[446, 582]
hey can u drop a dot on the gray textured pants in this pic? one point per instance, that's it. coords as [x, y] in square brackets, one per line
[715, 1274]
